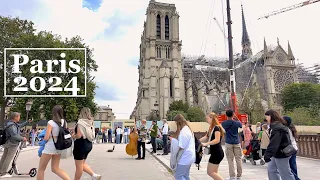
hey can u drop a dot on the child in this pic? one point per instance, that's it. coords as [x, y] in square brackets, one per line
[264, 138]
[42, 143]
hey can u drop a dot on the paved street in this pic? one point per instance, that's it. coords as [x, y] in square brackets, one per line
[250, 172]
[116, 165]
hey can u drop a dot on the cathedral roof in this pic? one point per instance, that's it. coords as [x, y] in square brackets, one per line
[164, 64]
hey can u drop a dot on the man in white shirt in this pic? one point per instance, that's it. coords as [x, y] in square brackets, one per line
[165, 130]
[118, 135]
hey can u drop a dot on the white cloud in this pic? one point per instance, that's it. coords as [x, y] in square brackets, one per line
[69, 18]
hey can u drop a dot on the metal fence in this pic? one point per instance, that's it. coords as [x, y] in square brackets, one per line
[309, 145]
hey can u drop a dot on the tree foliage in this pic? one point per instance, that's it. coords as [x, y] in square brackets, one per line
[301, 95]
[16, 33]
[179, 106]
[252, 105]
[172, 114]
[304, 116]
[195, 114]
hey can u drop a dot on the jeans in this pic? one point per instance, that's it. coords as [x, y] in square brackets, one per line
[233, 151]
[118, 139]
[182, 172]
[165, 144]
[109, 138]
[279, 169]
[7, 158]
[154, 145]
[293, 166]
[143, 145]
[33, 139]
[125, 139]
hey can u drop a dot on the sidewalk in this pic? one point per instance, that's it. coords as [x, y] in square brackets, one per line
[250, 172]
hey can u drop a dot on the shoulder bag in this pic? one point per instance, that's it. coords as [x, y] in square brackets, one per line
[289, 150]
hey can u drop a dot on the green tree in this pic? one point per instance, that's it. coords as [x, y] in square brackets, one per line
[301, 95]
[251, 105]
[21, 33]
[195, 114]
[172, 114]
[179, 106]
[303, 116]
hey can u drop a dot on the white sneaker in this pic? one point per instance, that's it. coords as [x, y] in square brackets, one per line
[6, 176]
[96, 177]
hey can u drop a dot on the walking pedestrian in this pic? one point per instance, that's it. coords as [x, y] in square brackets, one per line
[142, 132]
[154, 134]
[125, 134]
[247, 132]
[213, 139]
[233, 147]
[165, 130]
[110, 135]
[278, 162]
[121, 134]
[84, 135]
[187, 146]
[33, 135]
[118, 131]
[293, 135]
[12, 141]
[50, 152]
[264, 139]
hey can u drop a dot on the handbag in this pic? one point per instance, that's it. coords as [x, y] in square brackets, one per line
[206, 149]
[289, 150]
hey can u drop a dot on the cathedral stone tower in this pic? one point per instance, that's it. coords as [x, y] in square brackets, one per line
[160, 70]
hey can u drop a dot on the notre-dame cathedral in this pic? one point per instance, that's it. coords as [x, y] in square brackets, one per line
[166, 76]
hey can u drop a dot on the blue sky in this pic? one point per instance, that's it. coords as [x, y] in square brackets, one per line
[113, 28]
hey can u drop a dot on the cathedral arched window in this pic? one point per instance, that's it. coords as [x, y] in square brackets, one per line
[166, 27]
[158, 51]
[167, 52]
[158, 27]
[171, 86]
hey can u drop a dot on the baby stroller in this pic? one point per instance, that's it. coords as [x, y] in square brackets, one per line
[252, 152]
[14, 167]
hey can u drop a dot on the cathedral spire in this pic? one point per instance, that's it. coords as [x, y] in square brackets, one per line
[246, 43]
[245, 36]
[290, 54]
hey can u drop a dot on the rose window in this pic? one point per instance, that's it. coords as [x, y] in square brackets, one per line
[282, 78]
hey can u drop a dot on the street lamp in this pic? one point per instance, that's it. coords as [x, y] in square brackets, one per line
[28, 108]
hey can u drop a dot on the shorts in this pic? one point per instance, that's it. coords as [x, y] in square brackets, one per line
[50, 148]
[216, 156]
[82, 147]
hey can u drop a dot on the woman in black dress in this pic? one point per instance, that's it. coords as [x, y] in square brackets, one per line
[213, 139]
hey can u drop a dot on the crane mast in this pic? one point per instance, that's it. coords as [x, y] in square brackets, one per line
[286, 9]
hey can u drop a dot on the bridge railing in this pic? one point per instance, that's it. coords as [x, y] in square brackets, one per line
[309, 146]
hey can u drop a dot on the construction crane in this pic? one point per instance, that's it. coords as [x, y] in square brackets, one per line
[289, 8]
[221, 27]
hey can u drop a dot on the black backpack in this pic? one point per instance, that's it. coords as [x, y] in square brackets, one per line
[3, 135]
[64, 139]
[199, 152]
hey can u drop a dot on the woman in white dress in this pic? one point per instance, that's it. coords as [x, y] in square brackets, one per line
[50, 152]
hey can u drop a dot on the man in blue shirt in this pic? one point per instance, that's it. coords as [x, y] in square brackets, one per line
[233, 147]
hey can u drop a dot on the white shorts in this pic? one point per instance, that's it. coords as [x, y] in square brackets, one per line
[49, 148]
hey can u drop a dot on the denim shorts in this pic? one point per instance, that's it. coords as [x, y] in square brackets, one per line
[50, 148]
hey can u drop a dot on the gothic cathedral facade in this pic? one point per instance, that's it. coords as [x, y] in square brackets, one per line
[165, 76]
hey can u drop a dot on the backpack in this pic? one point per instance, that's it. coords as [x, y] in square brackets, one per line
[3, 135]
[64, 140]
[199, 151]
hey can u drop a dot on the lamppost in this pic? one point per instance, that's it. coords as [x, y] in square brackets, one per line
[28, 108]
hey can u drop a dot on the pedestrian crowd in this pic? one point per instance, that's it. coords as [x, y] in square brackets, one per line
[272, 142]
